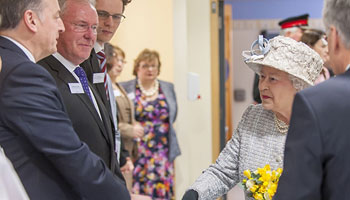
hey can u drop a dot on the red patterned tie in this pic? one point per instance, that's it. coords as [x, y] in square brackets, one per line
[101, 56]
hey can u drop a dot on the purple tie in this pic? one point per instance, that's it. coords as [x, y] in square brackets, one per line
[82, 77]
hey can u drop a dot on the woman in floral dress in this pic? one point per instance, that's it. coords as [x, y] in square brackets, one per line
[155, 109]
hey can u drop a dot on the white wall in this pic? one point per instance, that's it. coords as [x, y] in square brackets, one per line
[148, 24]
[192, 54]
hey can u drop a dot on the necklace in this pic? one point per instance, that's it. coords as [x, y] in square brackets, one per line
[150, 92]
[280, 125]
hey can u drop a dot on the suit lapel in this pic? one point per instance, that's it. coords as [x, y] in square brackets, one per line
[108, 123]
[104, 126]
[66, 77]
[62, 73]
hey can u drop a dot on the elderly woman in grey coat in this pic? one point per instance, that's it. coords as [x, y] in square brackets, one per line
[285, 67]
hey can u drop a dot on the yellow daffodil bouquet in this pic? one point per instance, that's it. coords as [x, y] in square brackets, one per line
[262, 183]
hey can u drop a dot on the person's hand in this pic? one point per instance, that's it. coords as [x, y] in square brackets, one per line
[140, 197]
[138, 131]
[0, 64]
[128, 167]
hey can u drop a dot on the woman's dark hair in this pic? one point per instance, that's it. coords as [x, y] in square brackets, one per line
[112, 51]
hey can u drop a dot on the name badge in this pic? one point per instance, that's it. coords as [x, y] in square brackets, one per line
[131, 96]
[117, 93]
[75, 88]
[98, 78]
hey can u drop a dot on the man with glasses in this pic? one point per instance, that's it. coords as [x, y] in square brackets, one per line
[35, 131]
[85, 108]
[317, 161]
[110, 15]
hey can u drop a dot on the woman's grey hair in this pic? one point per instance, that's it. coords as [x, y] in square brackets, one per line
[337, 13]
[63, 4]
[291, 29]
[12, 11]
[298, 84]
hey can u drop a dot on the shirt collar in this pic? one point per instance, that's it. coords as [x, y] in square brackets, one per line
[69, 65]
[23, 48]
[98, 47]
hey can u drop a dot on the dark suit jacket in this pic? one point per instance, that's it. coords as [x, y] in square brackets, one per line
[38, 137]
[96, 133]
[317, 161]
[91, 66]
[169, 93]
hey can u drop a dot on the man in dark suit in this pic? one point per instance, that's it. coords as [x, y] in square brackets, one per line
[317, 161]
[110, 15]
[84, 107]
[35, 131]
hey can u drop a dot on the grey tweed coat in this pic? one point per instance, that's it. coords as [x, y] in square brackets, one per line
[255, 143]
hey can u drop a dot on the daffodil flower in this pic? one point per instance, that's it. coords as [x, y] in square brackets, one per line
[262, 183]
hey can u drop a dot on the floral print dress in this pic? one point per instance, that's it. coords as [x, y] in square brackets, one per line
[153, 174]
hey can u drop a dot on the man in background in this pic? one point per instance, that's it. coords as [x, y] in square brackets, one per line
[110, 15]
[317, 162]
[293, 27]
[35, 131]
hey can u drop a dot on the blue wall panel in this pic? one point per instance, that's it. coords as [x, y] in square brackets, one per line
[274, 9]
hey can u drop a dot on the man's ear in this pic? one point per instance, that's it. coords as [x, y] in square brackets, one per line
[336, 39]
[31, 20]
[331, 34]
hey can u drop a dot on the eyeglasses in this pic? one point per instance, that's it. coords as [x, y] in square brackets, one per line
[117, 18]
[83, 27]
[146, 66]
